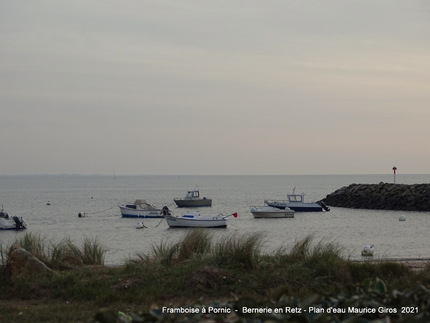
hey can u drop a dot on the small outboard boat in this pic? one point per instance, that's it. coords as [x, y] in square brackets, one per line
[195, 220]
[8, 222]
[139, 209]
[271, 212]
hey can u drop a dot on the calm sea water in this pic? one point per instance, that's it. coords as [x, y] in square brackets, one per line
[98, 197]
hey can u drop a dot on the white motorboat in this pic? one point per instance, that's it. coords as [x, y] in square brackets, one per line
[193, 199]
[195, 220]
[8, 222]
[139, 209]
[271, 212]
[297, 203]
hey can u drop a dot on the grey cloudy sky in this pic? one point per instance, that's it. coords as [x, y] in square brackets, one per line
[214, 87]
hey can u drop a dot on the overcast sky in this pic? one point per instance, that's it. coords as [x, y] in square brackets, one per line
[214, 87]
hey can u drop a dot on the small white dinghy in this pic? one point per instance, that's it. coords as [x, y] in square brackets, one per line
[195, 220]
[367, 251]
[271, 212]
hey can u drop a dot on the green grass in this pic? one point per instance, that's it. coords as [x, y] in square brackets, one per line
[237, 251]
[194, 244]
[35, 244]
[62, 255]
[194, 269]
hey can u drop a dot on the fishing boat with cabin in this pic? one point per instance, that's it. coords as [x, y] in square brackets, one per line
[297, 203]
[193, 199]
[139, 209]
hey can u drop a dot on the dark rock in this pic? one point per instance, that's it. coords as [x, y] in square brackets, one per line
[383, 196]
[22, 264]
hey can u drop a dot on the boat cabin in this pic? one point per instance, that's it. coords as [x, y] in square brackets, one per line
[296, 198]
[192, 195]
[136, 203]
[4, 214]
[141, 205]
[193, 199]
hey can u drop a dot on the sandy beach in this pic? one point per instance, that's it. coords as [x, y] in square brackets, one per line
[413, 263]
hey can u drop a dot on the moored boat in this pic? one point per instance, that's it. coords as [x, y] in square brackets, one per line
[195, 220]
[297, 203]
[193, 199]
[139, 209]
[8, 222]
[271, 212]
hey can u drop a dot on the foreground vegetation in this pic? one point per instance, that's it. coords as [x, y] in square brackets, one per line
[196, 274]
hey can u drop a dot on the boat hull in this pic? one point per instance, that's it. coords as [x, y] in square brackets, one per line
[271, 212]
[193, 203]
[179, 222]
[133, 213]
[10, 224]
[262, 215]
[297, 207]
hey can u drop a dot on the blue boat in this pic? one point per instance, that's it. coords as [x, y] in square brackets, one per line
[297, 203]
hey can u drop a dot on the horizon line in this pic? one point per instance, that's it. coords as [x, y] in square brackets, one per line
[187, 174]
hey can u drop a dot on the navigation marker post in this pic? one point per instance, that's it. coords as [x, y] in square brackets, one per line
[394, 170]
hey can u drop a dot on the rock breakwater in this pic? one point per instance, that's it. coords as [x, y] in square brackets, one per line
[382, 196]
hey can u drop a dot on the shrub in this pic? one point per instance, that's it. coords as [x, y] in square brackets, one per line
[195, 242]
[62, 255]
[34, 244]
[241, 251]
[93, 253]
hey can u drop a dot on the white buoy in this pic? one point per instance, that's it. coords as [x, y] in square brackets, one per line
[140, 225]
[402, 218]
[367, 251]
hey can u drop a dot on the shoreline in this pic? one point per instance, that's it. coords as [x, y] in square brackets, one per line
[413, 263]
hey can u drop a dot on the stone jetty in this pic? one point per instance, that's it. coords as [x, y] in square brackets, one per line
[382, 196]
